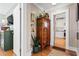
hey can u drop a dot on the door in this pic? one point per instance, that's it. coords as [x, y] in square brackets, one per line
[78, 37]
[16, 40]
[60, 27]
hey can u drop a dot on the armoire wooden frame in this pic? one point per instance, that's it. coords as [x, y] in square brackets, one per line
[43, 31]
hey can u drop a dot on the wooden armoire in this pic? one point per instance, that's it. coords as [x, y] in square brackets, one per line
[43, 31]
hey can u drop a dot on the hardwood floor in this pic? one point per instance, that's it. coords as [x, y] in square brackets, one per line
[9, 53]
[44, 52]
[60, 42]
[1, 52]
[6, 53]
[49, 51]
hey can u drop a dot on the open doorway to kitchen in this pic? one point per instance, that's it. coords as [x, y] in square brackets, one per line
[60, 30]
[8, 28]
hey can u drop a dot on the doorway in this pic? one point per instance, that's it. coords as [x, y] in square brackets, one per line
[60, 30]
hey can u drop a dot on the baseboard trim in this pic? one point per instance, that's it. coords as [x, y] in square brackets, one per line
[29, 53]
[77, 51]
[14, 53]
[71, 51]
[62, 49]
[70, 48]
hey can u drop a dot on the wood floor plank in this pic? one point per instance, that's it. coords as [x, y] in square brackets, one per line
[6, 53]
[49, 51]
[60, 42]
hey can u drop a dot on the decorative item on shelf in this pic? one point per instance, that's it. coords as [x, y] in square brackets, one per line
[40, 15]
[46, 15]
[43, 14]
[36, 46]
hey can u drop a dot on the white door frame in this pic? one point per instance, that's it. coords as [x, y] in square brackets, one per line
[67, 27]
[17, 31]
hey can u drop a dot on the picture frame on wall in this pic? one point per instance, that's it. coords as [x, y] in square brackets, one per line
[33, 22]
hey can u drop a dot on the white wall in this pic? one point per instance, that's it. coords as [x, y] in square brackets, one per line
[25, 30]
[16, 36]
[2, 18]
[78, 41]
[73, 26]
[11, 10]
[35, 10]
[26, 40]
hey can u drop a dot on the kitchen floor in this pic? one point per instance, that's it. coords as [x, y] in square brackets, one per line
[6, 53]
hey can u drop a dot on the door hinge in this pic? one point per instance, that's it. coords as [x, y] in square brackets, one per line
[20, 8]
[20, 50]
[77, 35]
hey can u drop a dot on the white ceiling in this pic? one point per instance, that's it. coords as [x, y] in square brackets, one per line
[6, 7]
[45, 6]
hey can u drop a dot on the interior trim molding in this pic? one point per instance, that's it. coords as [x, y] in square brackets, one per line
[29, 53]
[73, 49]
[42, 9]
